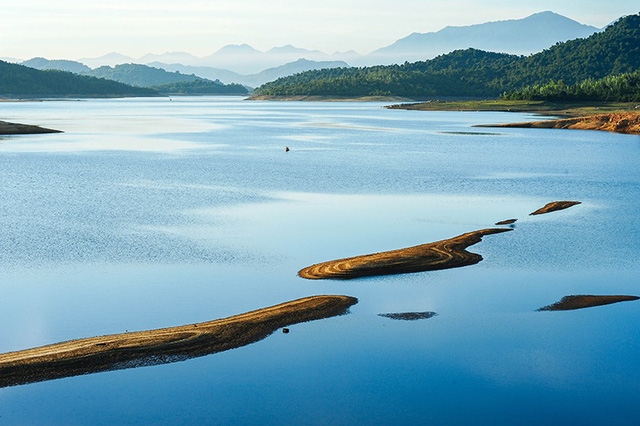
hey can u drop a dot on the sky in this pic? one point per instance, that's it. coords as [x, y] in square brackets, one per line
[74, 29]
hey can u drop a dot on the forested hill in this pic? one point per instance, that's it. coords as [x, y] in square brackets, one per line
[475, 73]
[21, 81]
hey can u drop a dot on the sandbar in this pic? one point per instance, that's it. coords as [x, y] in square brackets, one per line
[409, 316]
[443, 254]
[7, 128]
[165, 345]
[554, 206]
[585, 301]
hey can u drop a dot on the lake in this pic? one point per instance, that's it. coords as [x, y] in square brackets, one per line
[150, 213]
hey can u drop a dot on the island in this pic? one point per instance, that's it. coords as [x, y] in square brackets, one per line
[443, 254]
[165, 345]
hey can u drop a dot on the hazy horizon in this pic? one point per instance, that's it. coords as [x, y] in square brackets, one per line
[74, 30]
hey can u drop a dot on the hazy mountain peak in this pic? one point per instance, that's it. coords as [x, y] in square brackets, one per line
[517, 36]
[236, 49]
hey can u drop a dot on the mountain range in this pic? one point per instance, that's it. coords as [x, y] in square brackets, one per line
[242, 64]
[611, 56]
[520, 37]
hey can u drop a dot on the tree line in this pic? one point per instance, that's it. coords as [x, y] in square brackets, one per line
[20, 81]
[475, 73]
[614, 88]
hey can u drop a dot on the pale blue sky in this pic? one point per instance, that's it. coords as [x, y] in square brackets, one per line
[72, 29]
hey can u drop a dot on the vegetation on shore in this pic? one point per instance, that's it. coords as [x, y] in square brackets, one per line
[613, 88]
[201, 87]
[569, 109]
[475, 73]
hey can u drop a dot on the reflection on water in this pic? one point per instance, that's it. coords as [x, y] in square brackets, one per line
[147, 213]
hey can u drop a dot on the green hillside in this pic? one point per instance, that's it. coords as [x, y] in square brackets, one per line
[21, 81]
[140, 75]
[166, 82]
[475, 73]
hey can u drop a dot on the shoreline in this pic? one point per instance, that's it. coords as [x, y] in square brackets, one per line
[559, 109]
[620, 122]
[322, 98]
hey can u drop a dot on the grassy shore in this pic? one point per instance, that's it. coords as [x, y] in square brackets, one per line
[566, 109]
[314, 98]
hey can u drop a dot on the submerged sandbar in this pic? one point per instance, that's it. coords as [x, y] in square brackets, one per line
[555, 206]
[7, 128]
[586, 301]
[165, 345]
[443, 254]
[409, 316]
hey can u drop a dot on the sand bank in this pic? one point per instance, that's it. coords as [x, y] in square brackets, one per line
[585, 301]
[554, 206]
[7, 128]
[151, 347]
[623, 122]
[443, 254]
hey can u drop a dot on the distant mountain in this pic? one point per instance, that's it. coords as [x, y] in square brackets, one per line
[57, 64]
[244, 59]
[110, 59]
[252, 80]
[476, 73]
[170, 57]
[167, 82]
[210, 73]
[301, 65]
[140, 75]
[19, 81]
[10, 60]
[520, 36]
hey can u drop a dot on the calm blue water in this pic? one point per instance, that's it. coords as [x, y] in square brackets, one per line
[149, 213]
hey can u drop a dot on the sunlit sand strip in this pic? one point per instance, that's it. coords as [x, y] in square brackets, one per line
[151, 347]
[443, 254]
[585, 301]
[555, 206]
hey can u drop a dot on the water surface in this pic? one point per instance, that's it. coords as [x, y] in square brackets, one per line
[150, 213]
